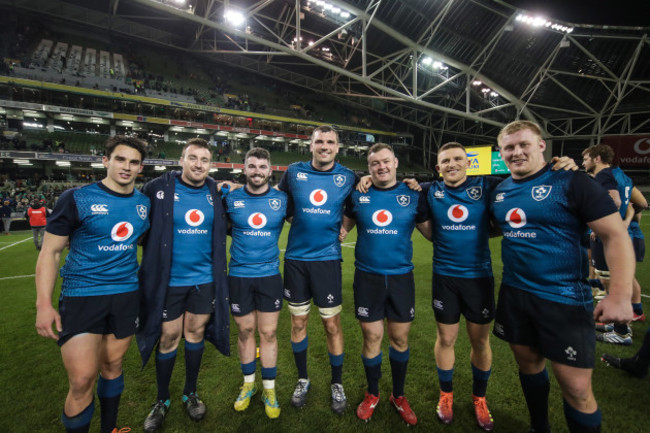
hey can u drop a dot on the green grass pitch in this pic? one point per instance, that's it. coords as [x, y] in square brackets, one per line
[33, 382]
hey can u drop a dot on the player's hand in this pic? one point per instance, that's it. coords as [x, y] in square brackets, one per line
[412, 184]
[564, 163]
[614, 310]
[364, 184]
[229, 185]
[343, 233]
[45, 317]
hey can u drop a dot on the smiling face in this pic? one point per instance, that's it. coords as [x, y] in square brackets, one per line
[382, 166]
[324, 146]
[122, 167]
[523, 152]
[258, 172]
[453, 165]
[195, 163]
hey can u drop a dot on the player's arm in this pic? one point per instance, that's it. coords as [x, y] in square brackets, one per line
[563, 163]
[426, 228]
[346, 226]
[366, 182]
[616, 307]
[638, 200]
[616, 197]
[47, 268]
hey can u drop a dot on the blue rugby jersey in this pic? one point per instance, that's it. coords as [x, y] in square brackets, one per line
[542, 218]
[625, 185]
[192, 244]
[317, 209]
[385, 221]
[257, 220]
[104, 227]
[461, 220]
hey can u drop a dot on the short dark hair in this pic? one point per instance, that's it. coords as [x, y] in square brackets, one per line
[519, 125]
[259, 153]
[452, 145]
[605, 152]
[378, 147]
[323, 129]
[198, 142]
[126, 140]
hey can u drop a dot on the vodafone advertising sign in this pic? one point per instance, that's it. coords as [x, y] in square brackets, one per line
[630, 150]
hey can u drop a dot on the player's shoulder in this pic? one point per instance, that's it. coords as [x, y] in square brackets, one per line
[276, 193]
[340, 168]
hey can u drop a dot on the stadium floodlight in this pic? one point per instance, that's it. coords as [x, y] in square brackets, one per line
[485, 90]
[234, 18]
[345, 14]
[427, 61]
[476, 83]
[494, 94]
[180, 2]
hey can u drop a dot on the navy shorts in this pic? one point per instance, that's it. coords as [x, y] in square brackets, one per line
[104, 314]
[639, 248]
[598, 255]
[471, 297]
[255, 294]
[320, 280]
[384, 296]
[198, 299]
[560, 332]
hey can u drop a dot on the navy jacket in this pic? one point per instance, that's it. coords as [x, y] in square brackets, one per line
[156, 267]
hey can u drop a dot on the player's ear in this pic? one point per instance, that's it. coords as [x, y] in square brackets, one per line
[542, 145]
[437, 168]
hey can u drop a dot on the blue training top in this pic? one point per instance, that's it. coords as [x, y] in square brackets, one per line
[104, 227]
[257, 221]
[542, 218]
[317, 209]
[461, 220]
[385, 221]
[192, 244]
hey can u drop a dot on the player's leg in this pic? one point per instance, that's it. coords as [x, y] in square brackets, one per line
[268, 303]
[198, 308]
[636, 365]
[242, 308]
[481, 359]
[298, 295]
[117, 338]
[446, 304]
[267, 323]
[326, 283]
[193, 331]
[81, 359]
[580, 408]
[399, 354]
[637, 306]
[535, 384]
[111, 379]
[373, 333]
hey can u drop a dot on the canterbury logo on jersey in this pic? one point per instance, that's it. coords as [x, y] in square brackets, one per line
[301, 176]
[364, 199]
[99, 209]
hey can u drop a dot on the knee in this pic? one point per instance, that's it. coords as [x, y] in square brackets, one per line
[268, 334]
[298, 324]
[400, 343]
[246, 332]
[446, 341]
[332, 327]
[169, 340]
[82, 384]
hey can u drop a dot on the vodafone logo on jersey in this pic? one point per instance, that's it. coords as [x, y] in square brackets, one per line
[382, 217]
[257, 220]
[457, 213]
[121, 231]
[516, 218]
[194, 217]
[318, 197]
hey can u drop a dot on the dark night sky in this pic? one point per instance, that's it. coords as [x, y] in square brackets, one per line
[621, 12]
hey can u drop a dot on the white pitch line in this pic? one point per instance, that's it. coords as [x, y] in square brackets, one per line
[16, 277]
[349, 244]
[15, 243]
[645, 296]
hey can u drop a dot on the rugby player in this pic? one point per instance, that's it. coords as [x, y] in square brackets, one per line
[545, 309]
[312, 267]
[183, 277]
[256, 216]
[98, 307]
[383, 280]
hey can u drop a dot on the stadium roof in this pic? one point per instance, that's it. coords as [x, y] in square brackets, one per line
[450, 67]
